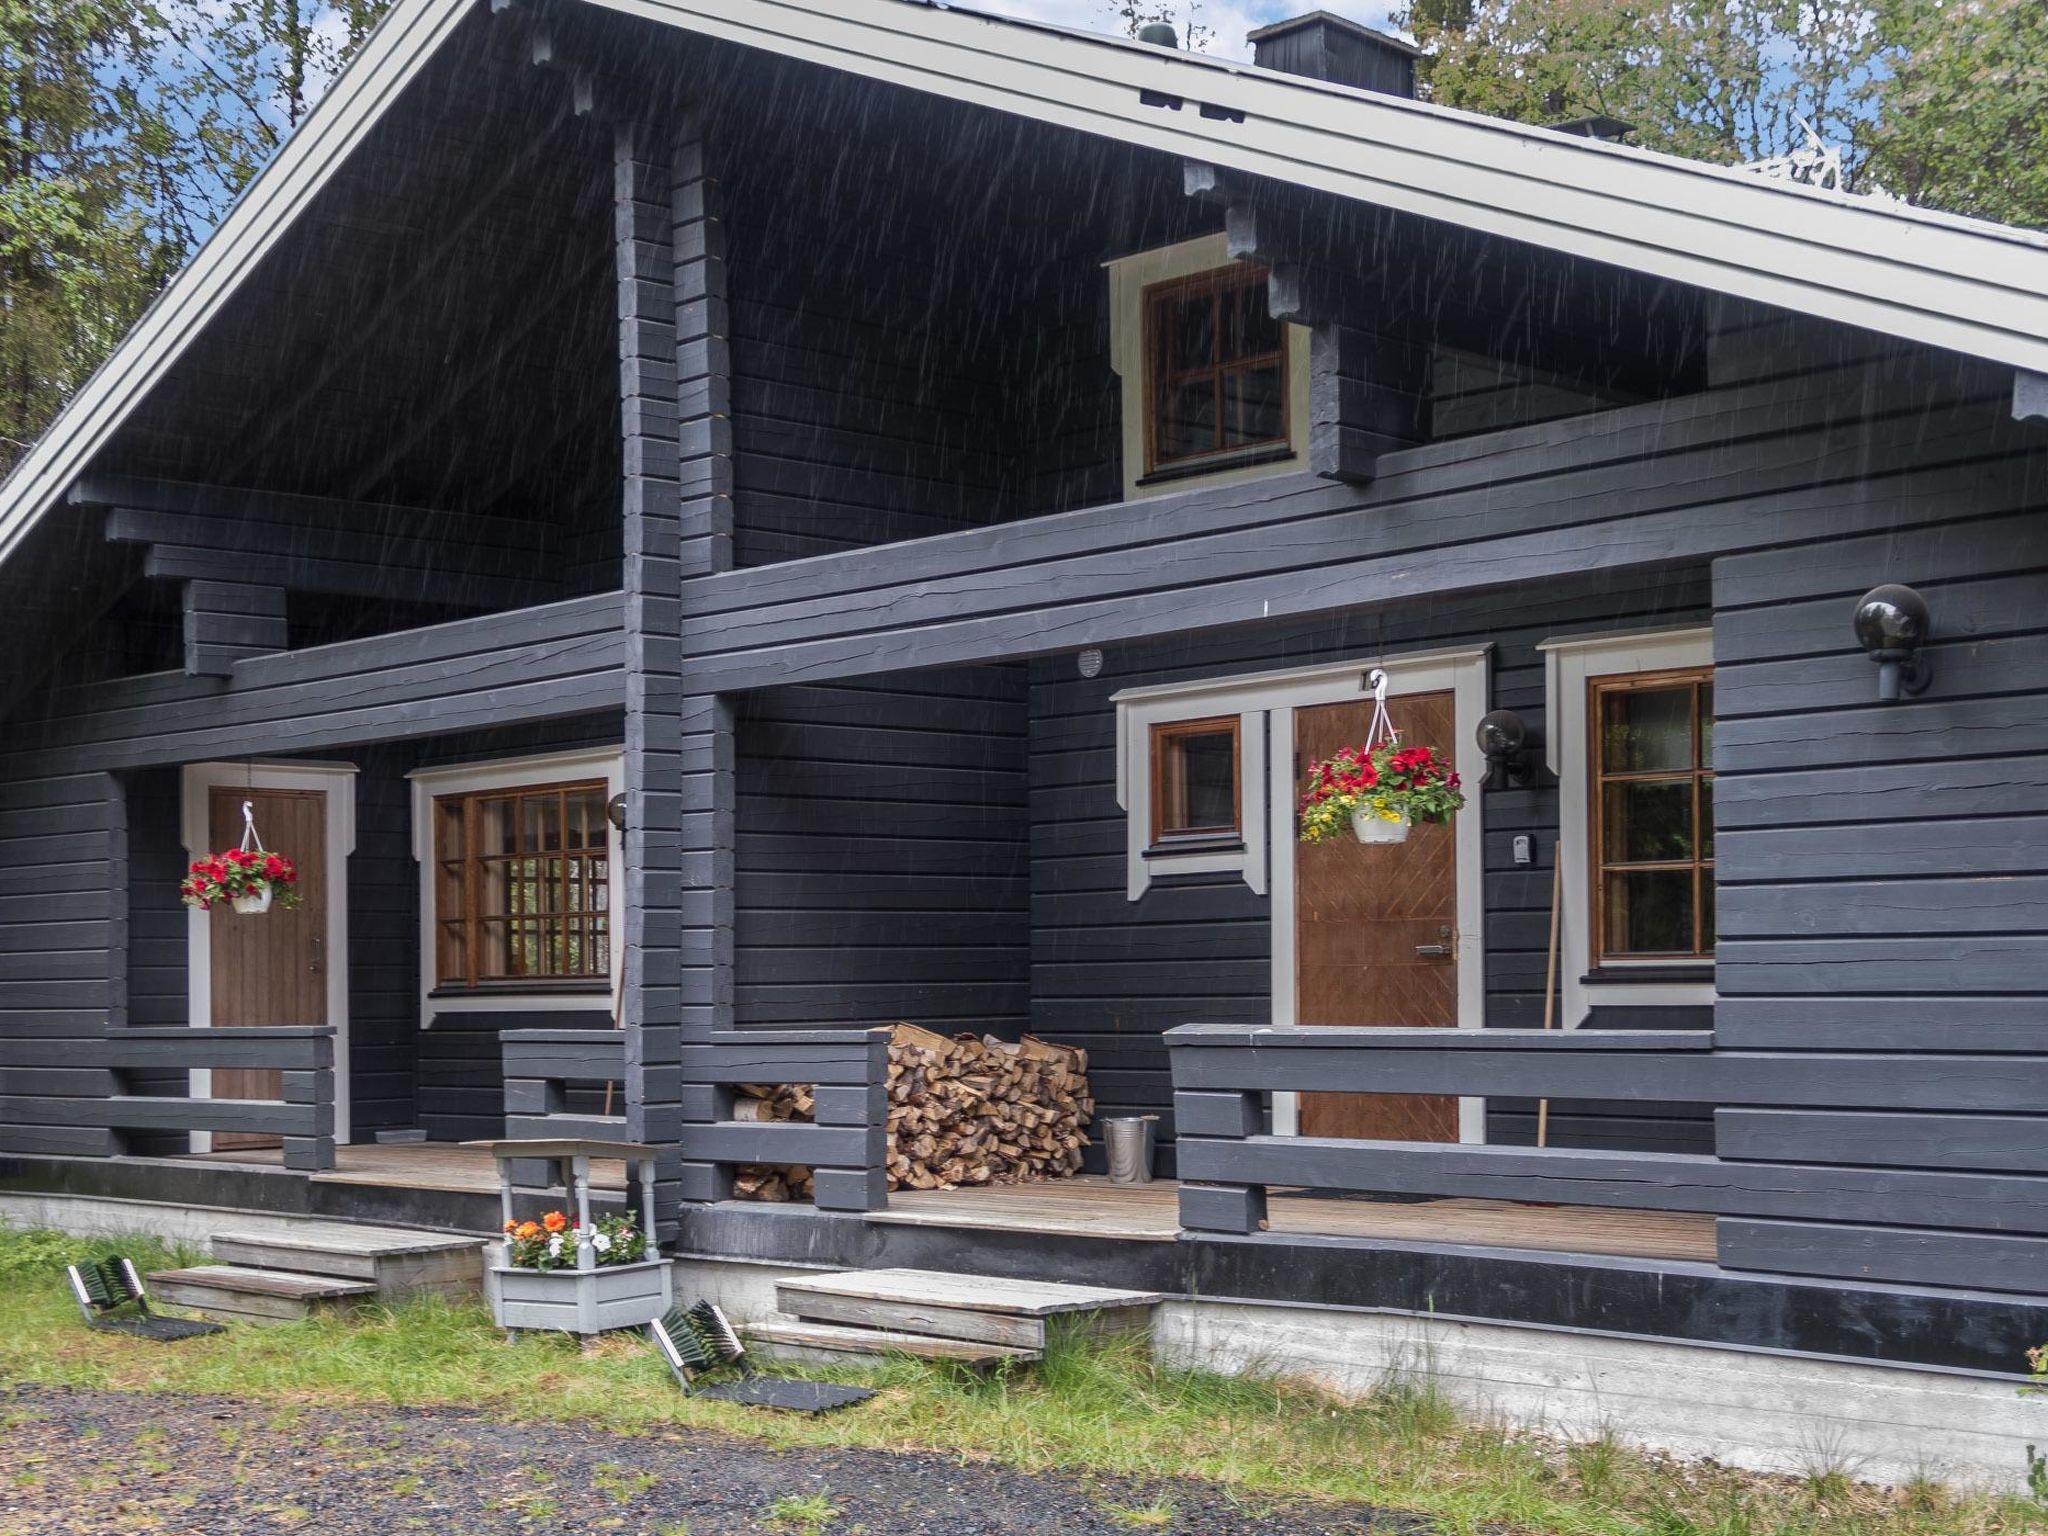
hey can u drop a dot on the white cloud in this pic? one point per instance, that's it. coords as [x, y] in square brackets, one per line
[1227, 21]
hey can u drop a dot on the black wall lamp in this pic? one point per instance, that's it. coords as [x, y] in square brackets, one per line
[1505, 741]
[1892, 624]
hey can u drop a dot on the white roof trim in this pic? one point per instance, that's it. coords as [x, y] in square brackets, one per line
[1960, 284]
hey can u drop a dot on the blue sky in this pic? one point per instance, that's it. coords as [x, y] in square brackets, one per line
[1228, 20]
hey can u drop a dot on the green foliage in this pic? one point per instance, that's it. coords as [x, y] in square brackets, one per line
[125, 131]
[1937, 102]
[1720, 80]
[1958, 105]
[35, 1252]
[79, 253]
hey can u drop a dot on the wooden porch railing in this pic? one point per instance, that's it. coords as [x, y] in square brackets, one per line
[541, 1065]
[302, 1115]
[846, 1149]
[1771, 1188]
[1222, 1072]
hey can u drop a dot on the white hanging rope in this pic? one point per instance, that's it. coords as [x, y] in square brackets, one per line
[1381, 731]
[249, 835]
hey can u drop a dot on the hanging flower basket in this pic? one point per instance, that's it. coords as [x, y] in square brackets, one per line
[1380, 789]
[250, 878]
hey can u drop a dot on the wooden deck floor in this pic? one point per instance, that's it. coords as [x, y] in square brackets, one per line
[411, 1165]
[1093, 1207]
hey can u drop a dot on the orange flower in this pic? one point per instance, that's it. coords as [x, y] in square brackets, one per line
[526, 1229]
[511, 1225]
[554, 1221]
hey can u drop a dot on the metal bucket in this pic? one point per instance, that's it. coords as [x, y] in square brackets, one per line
[1130, 1148]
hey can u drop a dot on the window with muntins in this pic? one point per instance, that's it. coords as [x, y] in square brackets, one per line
[1195, 780]
[1653, 816]
[522, 886]
[1217, 370]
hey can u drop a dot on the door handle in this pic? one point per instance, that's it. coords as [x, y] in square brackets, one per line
[1432, 950]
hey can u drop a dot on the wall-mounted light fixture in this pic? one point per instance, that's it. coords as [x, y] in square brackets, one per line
[1892, 624]
[1505, 741]
[615, 811]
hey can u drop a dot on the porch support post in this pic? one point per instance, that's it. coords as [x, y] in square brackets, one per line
[650, 1000]
[703, 766]
[1230, 1116]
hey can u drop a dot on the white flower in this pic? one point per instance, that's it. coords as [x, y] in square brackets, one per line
[601, 1243]
[554, 1247]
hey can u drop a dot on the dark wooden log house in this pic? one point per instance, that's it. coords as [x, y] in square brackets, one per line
[747, 522]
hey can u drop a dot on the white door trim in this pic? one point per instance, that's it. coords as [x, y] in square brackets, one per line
[1463, 674]
[338, 782]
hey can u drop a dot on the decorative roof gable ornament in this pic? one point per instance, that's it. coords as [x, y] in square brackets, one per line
[1817, 163]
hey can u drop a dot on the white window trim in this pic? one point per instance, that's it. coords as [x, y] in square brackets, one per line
[510, 773]
[1570, 663]
[338, 781]
[1137, 711]
[1129, 277]
[1265, 703]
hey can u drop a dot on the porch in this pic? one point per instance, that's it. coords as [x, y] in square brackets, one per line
[1091, 1206]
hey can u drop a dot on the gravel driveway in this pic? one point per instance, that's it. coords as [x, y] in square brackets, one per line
[96, 1463]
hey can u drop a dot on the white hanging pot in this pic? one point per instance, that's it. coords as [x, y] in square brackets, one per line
[259, 901]
[1368, 828]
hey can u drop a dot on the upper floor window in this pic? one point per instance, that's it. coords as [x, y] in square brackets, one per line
[1211, 389]
[522, 885]
[1652, 754]
[1217, 369]
[1196, 776]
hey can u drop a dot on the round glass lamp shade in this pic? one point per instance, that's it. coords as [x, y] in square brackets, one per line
[1891, 618]
[1501, 732]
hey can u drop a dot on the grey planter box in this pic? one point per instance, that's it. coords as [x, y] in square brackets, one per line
[582, 1301]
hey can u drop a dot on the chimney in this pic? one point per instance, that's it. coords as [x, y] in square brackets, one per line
[1326, 47]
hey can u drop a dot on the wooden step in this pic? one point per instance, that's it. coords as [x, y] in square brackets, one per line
[232, 1293]
[397, 1262]
[823, 1343]
[980, 1308]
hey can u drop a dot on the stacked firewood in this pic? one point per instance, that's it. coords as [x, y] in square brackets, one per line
[962, 1110]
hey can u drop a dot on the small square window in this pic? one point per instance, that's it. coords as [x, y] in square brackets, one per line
[1195, 779]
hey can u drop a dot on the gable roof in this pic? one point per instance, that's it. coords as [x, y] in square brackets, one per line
[1961, 284]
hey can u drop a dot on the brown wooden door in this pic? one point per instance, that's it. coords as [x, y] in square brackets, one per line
[269, 968]
[1365, 918]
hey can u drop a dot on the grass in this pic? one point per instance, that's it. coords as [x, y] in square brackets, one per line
[1092, 1409]
[807, 1515]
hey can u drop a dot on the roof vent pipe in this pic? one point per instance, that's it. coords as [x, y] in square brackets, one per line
[1159, 34]
[1327, 47]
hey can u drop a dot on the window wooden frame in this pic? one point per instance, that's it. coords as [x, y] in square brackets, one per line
[1159, 381]
[1162, 741]
[1698, 775]
[587, 923]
